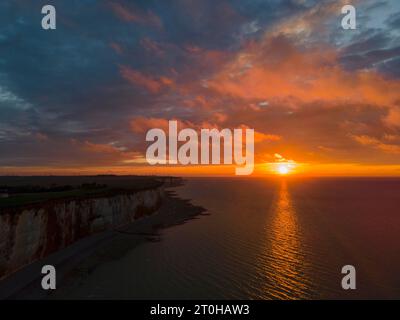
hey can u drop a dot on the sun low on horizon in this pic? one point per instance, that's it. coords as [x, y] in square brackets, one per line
[283, 169]
[281, 165]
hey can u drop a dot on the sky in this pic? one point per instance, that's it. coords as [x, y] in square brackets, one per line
[80, 99]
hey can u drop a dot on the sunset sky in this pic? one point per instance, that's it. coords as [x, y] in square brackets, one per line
[80, 99]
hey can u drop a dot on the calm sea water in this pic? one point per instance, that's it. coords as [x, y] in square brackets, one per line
[282, 238]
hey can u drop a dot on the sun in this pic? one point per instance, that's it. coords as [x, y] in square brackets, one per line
[283, 166]
[283, 169]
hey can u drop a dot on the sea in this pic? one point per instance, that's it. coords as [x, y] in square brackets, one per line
[267, 238]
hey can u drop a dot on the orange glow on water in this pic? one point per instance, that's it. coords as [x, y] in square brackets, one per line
[286, 252]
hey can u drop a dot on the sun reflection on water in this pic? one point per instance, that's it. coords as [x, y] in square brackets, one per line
[286, 268]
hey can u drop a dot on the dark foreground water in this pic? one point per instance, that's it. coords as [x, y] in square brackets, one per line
[282, 238]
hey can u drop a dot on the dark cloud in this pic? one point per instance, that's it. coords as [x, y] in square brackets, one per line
[368, 41]
[370, 59]
[394, 21]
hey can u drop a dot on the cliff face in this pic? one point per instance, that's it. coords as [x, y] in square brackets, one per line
[31, 233]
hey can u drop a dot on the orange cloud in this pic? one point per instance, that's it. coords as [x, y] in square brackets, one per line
[277, 69]
[116, 47]
[142, 124]
[260, 137]
[311, 21]
[130, 15]
[137, 78]
[393, 117]
[109, 153]
[375, 143]
[151, 46]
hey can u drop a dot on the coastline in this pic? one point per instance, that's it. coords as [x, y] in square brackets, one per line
[82, 257]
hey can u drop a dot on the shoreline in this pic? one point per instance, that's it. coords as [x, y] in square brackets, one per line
[81, 258]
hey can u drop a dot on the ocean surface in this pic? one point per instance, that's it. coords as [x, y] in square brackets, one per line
[272, 238]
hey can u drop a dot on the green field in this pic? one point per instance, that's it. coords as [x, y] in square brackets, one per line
[79, 187]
